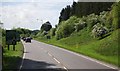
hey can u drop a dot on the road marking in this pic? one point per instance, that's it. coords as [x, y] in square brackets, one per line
[49, 54]
[56, 60]
[88, 58]
[23, 56]
[65, 68]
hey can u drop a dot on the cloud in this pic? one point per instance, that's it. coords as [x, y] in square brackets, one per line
[20, 13]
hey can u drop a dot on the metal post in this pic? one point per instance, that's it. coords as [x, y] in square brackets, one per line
[13, 47]
[8, 47]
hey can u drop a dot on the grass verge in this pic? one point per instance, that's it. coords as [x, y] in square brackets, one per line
[12, 59]
[105, 49]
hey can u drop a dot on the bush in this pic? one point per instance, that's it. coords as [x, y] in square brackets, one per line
[92, 19]
[109, 20]
[116, 15]
[99, 30]
[52, 31]
[80, 25]
[66, 27]
[46, 26]
[42, 33]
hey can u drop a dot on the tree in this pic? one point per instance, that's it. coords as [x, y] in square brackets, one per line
[80, 9]
[116, 15]
[46, 26]
[65, 13]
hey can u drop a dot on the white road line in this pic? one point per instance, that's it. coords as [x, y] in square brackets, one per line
[23, 57]
[49, 54]
[56, 60]
[65, 68]
[88, 58]
[83, 56]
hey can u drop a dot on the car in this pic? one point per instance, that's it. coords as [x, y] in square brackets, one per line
[23, 38]
[28, 39]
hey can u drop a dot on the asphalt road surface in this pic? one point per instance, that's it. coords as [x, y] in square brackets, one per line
[38, 56]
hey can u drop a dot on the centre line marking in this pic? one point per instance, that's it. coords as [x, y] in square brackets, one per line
[65, 68]
[56, 60]
[49, 54]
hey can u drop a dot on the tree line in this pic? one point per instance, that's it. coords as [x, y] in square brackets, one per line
[99, 18]
[80, 9]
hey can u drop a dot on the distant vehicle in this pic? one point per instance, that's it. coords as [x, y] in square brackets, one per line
[23, 38]
[28, 39]
[31, 38]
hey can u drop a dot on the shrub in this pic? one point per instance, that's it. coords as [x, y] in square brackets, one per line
[46, 26]
[92, 19]
[52, 31]
[116, 15]
[80, 25]
[99, 30]
[66, 27]
[109, 20]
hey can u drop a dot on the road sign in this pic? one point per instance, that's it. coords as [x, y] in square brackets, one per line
[11, 37]
[17, 37]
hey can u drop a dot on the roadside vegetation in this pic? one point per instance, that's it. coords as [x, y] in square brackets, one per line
[12, 59]
[94, 34]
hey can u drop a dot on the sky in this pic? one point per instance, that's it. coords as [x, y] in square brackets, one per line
[31, 14]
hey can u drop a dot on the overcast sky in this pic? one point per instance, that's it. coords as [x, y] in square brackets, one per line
[30, 13]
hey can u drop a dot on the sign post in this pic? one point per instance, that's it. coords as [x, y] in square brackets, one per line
[11, 38]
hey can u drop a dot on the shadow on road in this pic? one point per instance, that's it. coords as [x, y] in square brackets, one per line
[32, 65]
[13, 64]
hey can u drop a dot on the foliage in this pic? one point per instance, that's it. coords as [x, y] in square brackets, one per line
[92, 19]
[46, 26]
[99, 30]
[52, 31]
[80, 9]
[81, 42]
[66, 27]
[116, 15]
[109, 46]
[75, 32]
[109, 20]
[65, 13]
[23, 32]
[42, 33]
[12, 59]
[80, 25]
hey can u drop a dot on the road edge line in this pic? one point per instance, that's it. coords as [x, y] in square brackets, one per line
[23, 56]
[89, 58]
[84, 56]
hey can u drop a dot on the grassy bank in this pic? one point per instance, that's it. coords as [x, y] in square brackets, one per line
[12, 59]
[105, 49]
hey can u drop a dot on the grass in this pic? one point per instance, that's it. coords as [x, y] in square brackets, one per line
[12, 59]
[105, 49]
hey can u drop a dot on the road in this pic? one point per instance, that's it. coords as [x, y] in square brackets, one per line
[38, 55]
